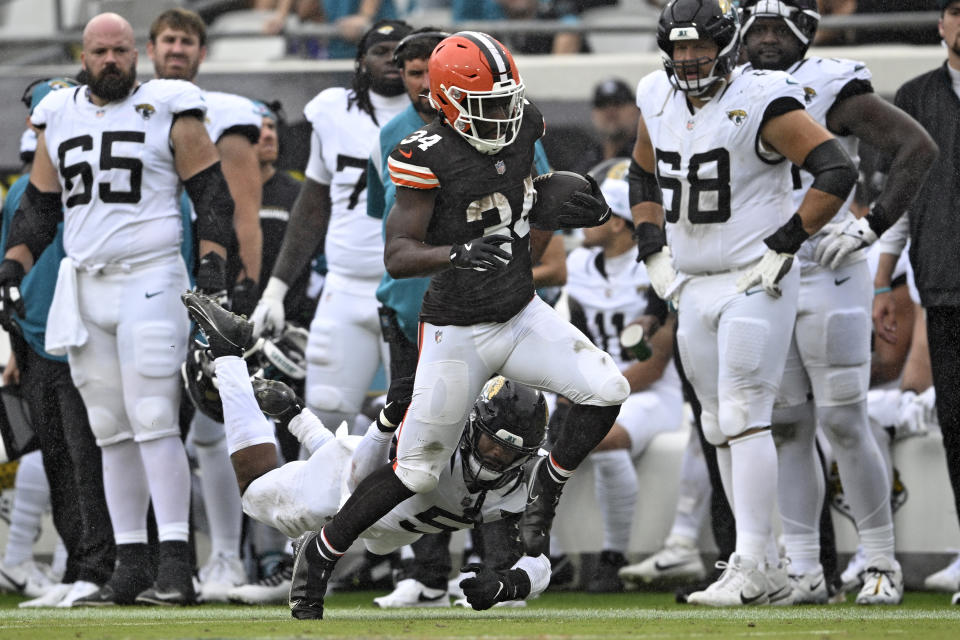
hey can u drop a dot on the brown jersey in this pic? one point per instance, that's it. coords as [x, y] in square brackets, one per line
[478, 195]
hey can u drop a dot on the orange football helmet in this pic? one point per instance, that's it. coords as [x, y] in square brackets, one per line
[476, 85]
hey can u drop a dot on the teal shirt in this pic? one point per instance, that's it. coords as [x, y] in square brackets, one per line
[404, 296]
[38, 285]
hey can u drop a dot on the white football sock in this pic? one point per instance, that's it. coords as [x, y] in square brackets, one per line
[244, 423]
[218, 482]
[693, 499]
[801, 486]
[31, 497]
[754, 466]
[168, 476]
[878, 543]
[725, 467]
[126, 491]
[615, 481]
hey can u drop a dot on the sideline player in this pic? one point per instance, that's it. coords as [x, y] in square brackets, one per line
[709, 161]
[112, 155]
[483, 482]
[345, 347]
[830, 352]
[480, 315]
[177, 47]
[605, 285]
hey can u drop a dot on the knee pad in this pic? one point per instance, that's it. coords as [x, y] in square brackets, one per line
[107, 427]
[843, 386]
[789, 415]
[154, 417]
[440, 392]
[845, 425]
[417, 480]
[746, 342]
[711, 429]
[205, 431]
[153, 355]
[847, 337]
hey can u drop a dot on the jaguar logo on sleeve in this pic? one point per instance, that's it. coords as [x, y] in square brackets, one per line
[145, 110]
[737, 116]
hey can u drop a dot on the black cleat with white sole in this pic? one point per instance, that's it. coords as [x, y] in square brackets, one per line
[227, 333]
[542, 500]
[311, 573]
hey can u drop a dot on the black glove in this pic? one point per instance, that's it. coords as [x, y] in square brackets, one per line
[212, 277]
[11, 302]
[487, 587]
[244, 297]
[481, 254]
[399, 396]
[584, 209]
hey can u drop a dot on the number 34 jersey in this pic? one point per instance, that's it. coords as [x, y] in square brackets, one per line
[477, 195]
[116, 169]
[723, 191]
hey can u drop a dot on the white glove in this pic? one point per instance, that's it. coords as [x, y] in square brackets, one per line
[912, 417]
[661, 272]
[767, 273]
[269, 315]
[842, 239]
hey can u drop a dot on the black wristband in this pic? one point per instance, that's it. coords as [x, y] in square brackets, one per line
[789, 237]
[516, 585]
[650, 239]
[877, 219]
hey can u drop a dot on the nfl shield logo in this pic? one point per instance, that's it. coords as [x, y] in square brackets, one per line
[500, 167]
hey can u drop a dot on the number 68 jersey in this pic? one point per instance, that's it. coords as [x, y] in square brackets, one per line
[723, 192]
[116, 169]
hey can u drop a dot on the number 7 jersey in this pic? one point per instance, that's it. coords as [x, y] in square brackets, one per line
[723, 192]
[116, 169]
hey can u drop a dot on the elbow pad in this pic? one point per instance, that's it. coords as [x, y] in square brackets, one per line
[211, 198]
[35, 221]
[643, 185]
[833, 170]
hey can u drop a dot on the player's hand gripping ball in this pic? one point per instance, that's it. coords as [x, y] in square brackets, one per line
[567, 200]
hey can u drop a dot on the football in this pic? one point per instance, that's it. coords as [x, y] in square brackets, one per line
[553, 189]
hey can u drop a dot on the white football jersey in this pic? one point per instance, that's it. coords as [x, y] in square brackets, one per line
[822, 80]
[612, 293]
[723, 192]
[340, 145]
[116, 170]
[227, 111]
[443, 508]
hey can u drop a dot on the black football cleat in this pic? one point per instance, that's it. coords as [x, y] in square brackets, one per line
[227, 333]
[542, 499]
[130, 577]
[605, 578]
[311, 573]
[277, 399]
[174, 584]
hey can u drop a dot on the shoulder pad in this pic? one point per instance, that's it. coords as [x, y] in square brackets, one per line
[176, 95]
[52, 103]
[411, 161]
[332, 98]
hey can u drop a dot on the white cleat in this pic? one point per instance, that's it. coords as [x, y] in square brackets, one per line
[882, 583]
[679, 560]
[809, 588]
[79, 589]
[509, 604]
[51, 598]
[29, 578]
[779, 584]
[742, 583]
[413, 593]
[221, 574]
[272, 589]
[947, 579]
[852, 577]
[956, 598]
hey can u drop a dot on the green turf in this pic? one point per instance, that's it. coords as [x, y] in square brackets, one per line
[563, 615]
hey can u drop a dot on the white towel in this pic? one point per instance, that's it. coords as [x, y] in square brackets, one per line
[64, 325]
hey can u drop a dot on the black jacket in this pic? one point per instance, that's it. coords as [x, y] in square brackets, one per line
[935, 214]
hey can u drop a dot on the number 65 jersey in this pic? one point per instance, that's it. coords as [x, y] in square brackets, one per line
[116, 169]
[723, 192]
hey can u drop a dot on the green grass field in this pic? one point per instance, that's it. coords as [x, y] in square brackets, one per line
[555, 615]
